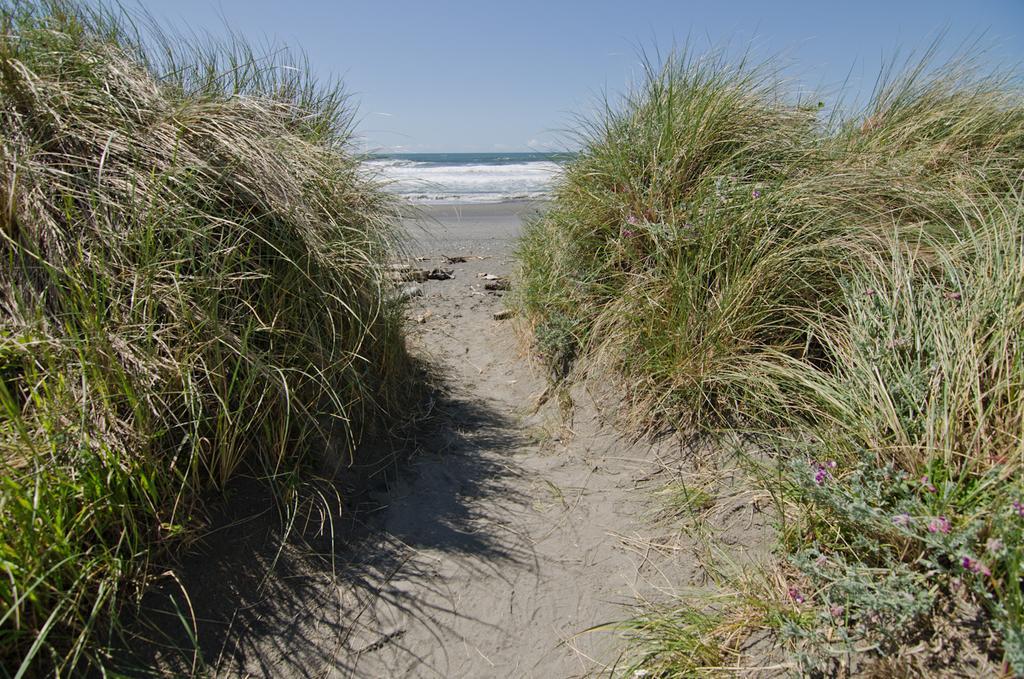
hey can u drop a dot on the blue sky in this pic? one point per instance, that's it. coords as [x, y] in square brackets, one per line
[503, 76]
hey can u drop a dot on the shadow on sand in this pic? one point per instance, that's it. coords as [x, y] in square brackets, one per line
[276, 590]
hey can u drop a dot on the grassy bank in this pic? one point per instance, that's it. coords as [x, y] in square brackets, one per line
[191, 285]
[843, 292]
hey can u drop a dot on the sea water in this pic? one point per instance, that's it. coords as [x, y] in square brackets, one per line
[468, 177]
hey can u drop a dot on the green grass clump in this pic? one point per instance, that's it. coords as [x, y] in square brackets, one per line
[652, 259]
[192, 283]
[844, 291]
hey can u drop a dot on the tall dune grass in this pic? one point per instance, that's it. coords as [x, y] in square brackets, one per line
[191, 283]
[843, 290]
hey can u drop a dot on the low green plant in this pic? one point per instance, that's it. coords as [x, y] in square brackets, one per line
[686, 500]
[923, 416]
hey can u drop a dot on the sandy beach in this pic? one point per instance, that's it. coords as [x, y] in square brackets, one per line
[492, 226]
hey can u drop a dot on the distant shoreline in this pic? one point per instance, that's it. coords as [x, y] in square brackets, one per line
[453, 209]
[463, 156]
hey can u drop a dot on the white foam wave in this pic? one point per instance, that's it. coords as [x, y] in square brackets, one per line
[392, 162]
[473, 182]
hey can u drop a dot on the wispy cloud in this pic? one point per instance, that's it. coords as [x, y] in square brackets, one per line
[542, 144]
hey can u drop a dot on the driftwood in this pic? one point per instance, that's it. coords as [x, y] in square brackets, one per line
[410, 275]
[441, 274]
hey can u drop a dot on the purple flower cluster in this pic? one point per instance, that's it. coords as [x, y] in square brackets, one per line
[939, 524]
[976, 566]
[821, 471]
[927, 485]
[795, 595]
[1018, 507]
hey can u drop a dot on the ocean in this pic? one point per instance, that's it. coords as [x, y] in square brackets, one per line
[468, 177]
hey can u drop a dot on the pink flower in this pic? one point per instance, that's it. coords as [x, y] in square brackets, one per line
[1018, 507]
[837, 611]
[994, 545]
[795, 595]
[927, 485]
[628, 233]
[632, 220]
[870, 292]
[756, 194]
[939, 524]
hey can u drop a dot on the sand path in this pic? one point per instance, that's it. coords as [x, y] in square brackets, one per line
[496, 546]
[517, 535]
